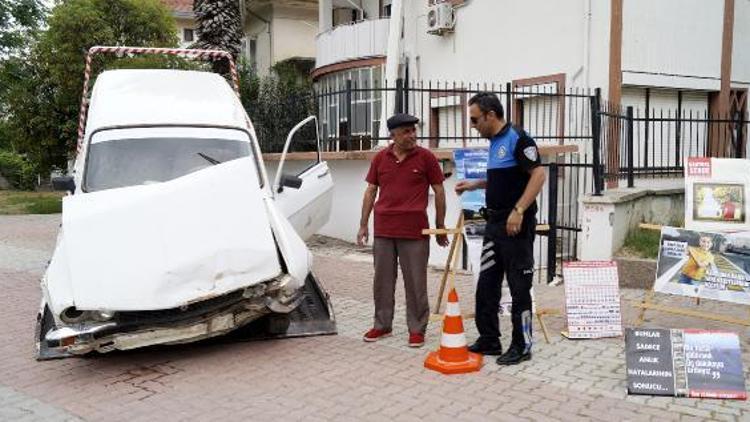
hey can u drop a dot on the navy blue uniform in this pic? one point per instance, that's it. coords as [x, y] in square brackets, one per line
[513, 154]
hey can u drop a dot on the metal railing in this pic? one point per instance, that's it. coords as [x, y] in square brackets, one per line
[642, 145]
[613, 143]
[351, 116]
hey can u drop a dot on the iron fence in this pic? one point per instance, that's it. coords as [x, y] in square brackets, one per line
[351, 113]
[613, 143]
[641, 145]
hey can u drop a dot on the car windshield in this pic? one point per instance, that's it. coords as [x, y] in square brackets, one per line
[125, 162]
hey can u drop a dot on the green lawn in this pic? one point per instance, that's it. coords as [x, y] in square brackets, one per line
[15, 202]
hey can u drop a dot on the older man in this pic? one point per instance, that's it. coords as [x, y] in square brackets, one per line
[402, 173]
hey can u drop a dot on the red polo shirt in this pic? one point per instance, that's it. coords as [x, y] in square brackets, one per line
[401, 208]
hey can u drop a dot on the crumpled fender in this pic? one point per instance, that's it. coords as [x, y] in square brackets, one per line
[294, 251]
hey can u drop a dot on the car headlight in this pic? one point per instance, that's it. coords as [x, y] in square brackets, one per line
[102, 316]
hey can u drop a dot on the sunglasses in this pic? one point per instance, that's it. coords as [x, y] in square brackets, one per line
[475, 120]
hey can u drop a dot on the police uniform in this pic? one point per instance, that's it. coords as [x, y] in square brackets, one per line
[513, 154]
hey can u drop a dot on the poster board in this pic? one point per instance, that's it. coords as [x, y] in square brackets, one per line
[684, 363]
[717, 194]
[592, 299]
[703, 264]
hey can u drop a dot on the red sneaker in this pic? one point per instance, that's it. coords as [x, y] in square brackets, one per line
[375, 334]
[416, 339]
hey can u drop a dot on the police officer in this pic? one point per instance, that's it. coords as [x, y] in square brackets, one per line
[514, 179]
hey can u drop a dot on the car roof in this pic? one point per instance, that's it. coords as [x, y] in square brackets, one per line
[132, 97]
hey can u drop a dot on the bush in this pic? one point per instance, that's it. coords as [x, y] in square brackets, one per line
[19, 171]
[276, 103]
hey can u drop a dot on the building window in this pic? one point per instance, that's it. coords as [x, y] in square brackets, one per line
[365, 102]
[253, 53]
[385, 9]
[188, 35]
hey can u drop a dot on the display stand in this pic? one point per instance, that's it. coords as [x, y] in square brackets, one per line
[647, 303]
[449, 274]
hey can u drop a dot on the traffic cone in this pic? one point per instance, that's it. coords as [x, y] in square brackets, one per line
[453, 356]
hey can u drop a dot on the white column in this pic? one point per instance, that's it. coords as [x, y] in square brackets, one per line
[325, 15]
[391, 64]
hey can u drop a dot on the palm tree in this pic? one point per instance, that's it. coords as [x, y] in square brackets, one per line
[219, 27]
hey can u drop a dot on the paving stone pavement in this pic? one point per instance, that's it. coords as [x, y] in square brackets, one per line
[326, 378]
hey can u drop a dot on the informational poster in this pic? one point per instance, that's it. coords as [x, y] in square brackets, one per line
[717, 192]
[687, 363]
[592, 299]
[648, 357]
[703, 264]
[471, 164]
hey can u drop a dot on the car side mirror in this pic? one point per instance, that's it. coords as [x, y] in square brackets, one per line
[289, 181]
[64, 183]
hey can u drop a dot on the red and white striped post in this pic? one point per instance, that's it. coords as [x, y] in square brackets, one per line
[194, 54]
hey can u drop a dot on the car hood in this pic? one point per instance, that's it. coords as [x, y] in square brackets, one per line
[166, 245]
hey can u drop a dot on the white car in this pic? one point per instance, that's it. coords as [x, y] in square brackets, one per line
[174, 232]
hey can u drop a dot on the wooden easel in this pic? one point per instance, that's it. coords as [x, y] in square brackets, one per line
[647, 303]
[449, 274]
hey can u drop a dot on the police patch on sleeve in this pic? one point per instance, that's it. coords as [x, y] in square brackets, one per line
[530, 153]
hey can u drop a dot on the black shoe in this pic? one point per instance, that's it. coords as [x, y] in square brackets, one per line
[513, 356]
[486, 348]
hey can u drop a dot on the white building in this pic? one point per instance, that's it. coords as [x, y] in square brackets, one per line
[182, 11]
[639, 52]
[275, 30]
[667, 54]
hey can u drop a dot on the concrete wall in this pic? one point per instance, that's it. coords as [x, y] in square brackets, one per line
[291, 33]
[741, 41]
[294, 31]
[497, 40]
[259, 30]
[666, 38]
[349, 187]
[666, 43]
[609, 218]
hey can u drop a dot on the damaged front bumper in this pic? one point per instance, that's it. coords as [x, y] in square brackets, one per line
[192, 322]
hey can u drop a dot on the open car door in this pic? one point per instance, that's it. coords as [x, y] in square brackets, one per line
[303, 185]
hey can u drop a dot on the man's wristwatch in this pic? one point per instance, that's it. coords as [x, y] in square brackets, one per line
[518, 209]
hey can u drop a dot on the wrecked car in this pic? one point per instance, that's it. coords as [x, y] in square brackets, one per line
[173, 231]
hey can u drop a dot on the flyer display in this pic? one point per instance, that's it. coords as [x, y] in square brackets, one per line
[706, 265]
[686, 363]
[592, 299]
[716, 194]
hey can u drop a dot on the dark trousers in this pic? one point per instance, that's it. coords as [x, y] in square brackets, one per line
[412, 256]
[510, 257]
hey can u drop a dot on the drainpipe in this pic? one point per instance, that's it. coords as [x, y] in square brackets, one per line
[270, 38]
[393, 56]
[586, 42]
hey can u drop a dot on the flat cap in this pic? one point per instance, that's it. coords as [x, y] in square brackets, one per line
[401, 119]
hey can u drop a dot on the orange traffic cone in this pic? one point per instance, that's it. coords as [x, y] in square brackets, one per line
[453, 356]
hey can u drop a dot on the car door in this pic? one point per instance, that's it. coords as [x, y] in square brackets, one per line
[303, 186]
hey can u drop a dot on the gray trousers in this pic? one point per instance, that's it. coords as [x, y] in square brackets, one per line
[412, 255]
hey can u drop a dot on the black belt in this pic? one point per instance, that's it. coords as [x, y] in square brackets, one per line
[490, 214]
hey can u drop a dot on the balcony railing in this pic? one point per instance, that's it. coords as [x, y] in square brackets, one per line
[357, 40]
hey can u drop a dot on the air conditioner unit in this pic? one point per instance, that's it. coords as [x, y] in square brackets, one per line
[441, 18]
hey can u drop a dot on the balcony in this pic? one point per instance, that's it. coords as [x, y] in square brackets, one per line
[353, 41]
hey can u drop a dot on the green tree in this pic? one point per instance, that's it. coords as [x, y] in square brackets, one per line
[45, 91]
[19, 19]
[219, 28]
